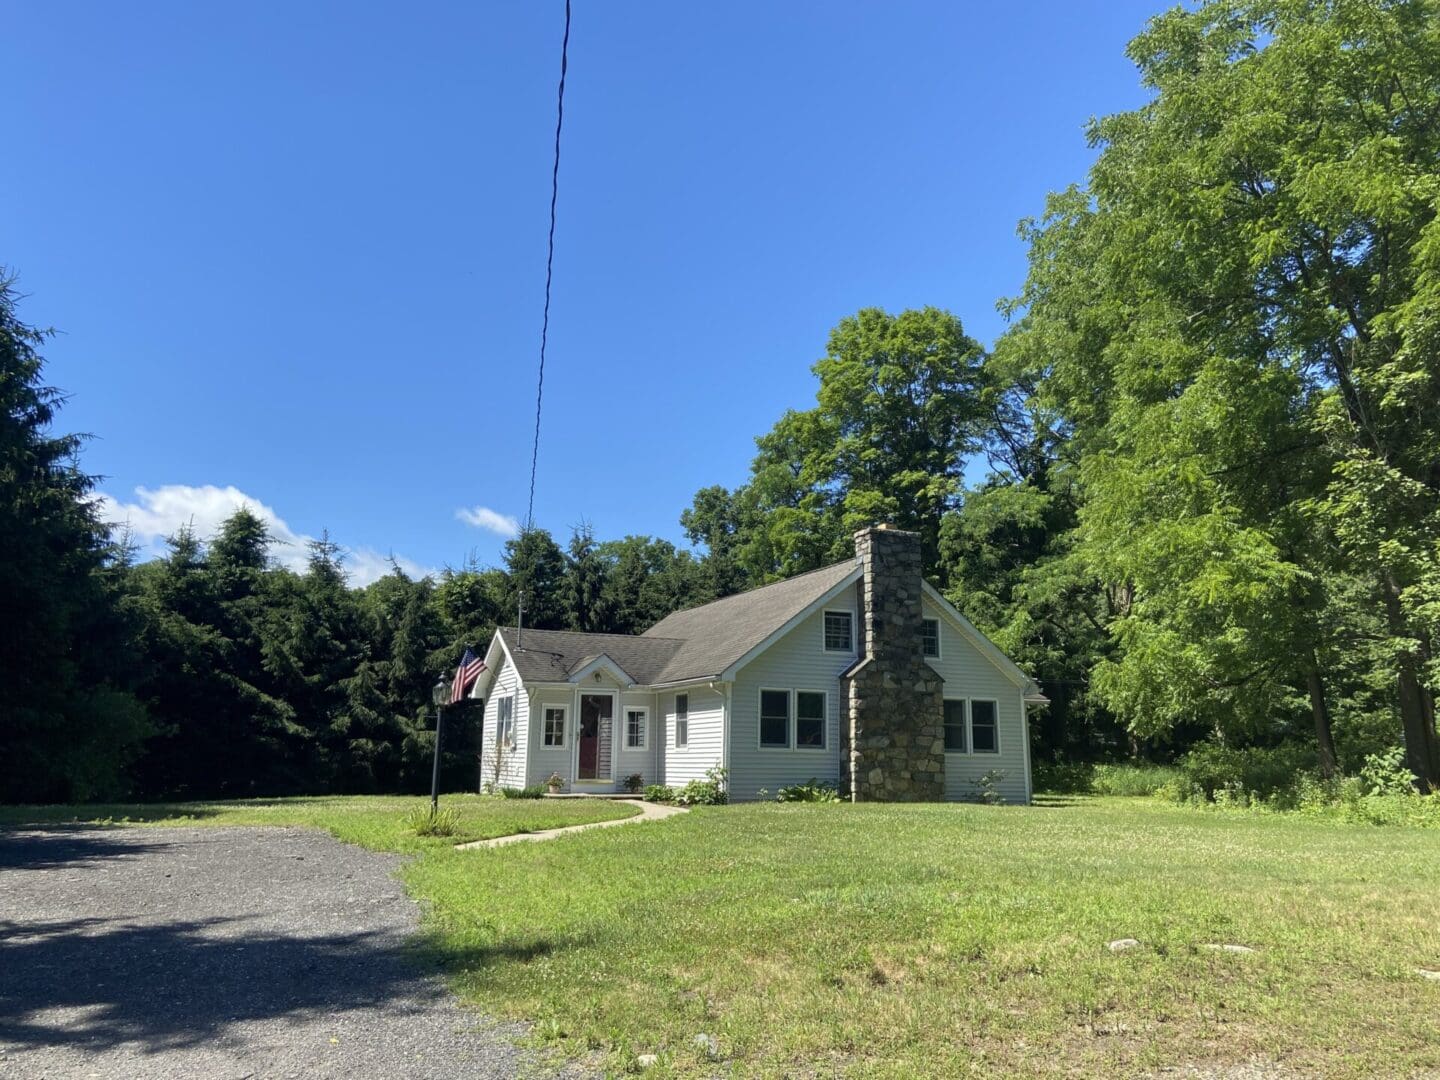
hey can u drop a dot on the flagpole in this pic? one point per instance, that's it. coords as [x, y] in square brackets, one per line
[439, 694]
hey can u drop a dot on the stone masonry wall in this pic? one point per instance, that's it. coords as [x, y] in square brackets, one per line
[893, 740]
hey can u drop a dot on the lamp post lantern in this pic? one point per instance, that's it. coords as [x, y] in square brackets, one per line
[440, 695]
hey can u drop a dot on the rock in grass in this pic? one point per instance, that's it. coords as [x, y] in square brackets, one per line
[708, 1044]
[1124, 943]
[1428, 973]
[645, 1061]
[1217, 947]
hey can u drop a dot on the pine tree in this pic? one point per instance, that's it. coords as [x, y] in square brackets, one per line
[69, 725]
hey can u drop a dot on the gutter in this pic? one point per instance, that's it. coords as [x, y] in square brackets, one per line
[694, 680]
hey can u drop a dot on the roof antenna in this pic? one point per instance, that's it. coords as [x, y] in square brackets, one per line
[520, 620]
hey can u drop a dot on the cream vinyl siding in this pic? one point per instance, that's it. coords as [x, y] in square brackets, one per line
[641, 761]
[798, 661]
[512, 770]
[968, 674]
[681, 764]
[545, 760]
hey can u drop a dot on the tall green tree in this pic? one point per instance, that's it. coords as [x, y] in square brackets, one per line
[586, 604]
[648, 579]
[69, 724]
[535, 571]
[1236, 321]
[901, 406]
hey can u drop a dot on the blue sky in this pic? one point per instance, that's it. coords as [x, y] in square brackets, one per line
[296, 251]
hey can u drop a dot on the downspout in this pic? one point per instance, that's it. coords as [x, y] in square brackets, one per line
[724, 692]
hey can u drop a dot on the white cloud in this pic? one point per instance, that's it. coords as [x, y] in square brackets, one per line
[482, 517]
[160, 512]
[364, 565]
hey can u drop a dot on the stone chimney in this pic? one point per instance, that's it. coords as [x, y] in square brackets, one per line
[892, 738]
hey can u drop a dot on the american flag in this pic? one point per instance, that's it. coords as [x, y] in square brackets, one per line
[469, 670]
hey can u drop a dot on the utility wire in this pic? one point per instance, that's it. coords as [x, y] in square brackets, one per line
[549, 266]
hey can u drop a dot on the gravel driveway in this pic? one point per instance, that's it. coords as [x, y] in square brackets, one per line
[221, 952]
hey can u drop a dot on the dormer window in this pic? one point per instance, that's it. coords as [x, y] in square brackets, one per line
[839, 631]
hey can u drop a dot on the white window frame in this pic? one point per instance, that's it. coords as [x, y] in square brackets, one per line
[760, 742]
[825, 633]
[644, 712]
[970, 728]
[938, 648]
[964, 724]
[682, 721]
[545, 711]
[505, 722]
[824, 720]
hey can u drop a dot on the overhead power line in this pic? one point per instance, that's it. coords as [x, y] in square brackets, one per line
[549, 266]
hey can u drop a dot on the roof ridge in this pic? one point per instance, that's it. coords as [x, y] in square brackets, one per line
[761, 588]
[593, 633]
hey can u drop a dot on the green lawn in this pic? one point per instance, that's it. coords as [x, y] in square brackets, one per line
[896, 941]
[377, 822]
[942, 940]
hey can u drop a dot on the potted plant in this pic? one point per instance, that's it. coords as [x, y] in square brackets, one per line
[555, 784]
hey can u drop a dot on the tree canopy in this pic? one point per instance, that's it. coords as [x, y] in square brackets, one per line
[1194, 488]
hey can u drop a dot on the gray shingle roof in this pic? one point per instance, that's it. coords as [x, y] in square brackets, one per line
[717, 634]
[698, 643]
[555, 655]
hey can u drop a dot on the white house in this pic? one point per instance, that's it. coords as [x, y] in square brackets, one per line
[859, 673]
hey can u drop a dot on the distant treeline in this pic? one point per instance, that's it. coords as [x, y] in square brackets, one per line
[1211, 511]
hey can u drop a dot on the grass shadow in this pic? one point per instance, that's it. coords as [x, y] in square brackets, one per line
[1055, 801]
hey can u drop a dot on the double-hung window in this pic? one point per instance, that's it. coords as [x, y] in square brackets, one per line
[839, 631]
[984, 728]
[554, 725]
[955, 726]
[929, 637]
[635, 724]
[505, 722]
[682, 719]
[775, 718]
[809, 720]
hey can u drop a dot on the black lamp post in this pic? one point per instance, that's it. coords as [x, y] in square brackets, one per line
[440, 695]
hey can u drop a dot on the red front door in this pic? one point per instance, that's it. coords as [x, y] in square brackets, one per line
[594, 712]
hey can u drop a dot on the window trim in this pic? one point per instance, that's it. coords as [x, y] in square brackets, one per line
[849, 650]
[682, 716]
[545, 711]
[824, 721]
[964, 724]
[505, 722]
[760, 742]
[936, 655]
[970, 728]
[644, 711]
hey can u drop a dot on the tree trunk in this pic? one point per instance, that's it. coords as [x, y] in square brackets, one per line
[1417, 715]
[1321, 711]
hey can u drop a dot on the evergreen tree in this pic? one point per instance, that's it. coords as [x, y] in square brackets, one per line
[69, 724]
[535, 569]
[585, 573]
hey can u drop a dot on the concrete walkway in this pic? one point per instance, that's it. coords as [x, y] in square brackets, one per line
[649, 811]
